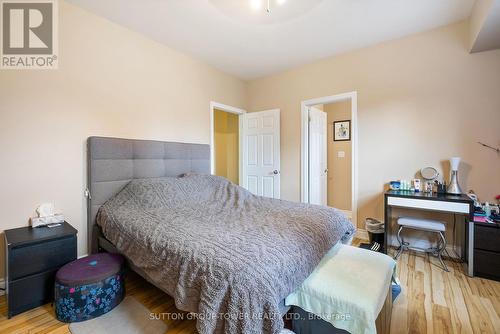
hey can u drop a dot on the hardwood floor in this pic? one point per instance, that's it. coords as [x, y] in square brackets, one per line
[435, 301]
[43, 320]
[432, 301]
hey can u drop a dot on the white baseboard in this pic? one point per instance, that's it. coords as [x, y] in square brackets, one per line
[361, 234]
[449, 248]
[348, 213]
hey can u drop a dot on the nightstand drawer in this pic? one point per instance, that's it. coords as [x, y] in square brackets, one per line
[35, 258]
[487, 264]
[31, 291]
[487, 238]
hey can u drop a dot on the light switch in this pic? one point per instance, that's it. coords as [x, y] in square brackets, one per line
[340, 154]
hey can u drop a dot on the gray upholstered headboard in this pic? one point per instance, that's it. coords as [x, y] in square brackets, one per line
[114, 162]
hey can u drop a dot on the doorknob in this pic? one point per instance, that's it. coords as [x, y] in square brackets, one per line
[326, 170]
[276, 172]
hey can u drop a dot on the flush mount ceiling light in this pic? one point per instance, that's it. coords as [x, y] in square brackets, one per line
[264, 11]
[259, 4]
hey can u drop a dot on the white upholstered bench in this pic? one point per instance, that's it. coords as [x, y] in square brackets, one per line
[350, 290]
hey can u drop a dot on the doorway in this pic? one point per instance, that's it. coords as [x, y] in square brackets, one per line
[329, 155]
[225, 143]
[245, 148]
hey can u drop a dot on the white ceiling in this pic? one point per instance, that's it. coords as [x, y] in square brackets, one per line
[231, 36]
[488, 38]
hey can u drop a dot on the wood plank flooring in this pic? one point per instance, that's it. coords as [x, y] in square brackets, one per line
[432, 301]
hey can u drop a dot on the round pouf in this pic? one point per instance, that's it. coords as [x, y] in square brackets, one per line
[89, 287]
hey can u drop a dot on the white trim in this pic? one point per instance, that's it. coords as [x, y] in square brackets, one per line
[241, 156]
[422, 245]
[304, 192]
[362, 234]
[348, 213]
[425, 204]
[226, 108]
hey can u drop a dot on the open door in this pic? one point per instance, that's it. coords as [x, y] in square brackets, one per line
[318, 163]
[260, 136]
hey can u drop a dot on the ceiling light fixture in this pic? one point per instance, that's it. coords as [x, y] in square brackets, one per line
[264, 12]
[257, 4]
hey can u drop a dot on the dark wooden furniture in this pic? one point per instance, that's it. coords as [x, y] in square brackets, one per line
[455, 204]
[487, 250]
[32, 258]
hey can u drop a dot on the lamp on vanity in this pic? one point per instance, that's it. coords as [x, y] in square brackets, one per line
[454, 187]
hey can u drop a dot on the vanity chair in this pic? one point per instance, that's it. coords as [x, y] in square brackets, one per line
[427, 225]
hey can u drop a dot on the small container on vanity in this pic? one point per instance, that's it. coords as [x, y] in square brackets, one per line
[32, 258]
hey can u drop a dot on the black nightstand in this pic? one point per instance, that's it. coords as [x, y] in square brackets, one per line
[487, 250]
[32, 258]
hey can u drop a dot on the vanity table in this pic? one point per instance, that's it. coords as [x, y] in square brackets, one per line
[455, 204]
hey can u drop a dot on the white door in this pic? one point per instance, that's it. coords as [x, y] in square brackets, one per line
[317, 157]
[260, 134]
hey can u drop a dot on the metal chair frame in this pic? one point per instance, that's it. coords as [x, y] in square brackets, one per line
[436, 251]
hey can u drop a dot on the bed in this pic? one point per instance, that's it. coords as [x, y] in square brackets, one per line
[225, 254]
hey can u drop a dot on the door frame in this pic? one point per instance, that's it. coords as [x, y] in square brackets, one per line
[304, 155]
[233, 110]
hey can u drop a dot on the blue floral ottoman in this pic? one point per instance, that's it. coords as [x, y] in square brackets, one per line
[89, 287]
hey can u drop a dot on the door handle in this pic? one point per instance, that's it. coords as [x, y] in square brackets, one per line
[326, 171]
[276, 172]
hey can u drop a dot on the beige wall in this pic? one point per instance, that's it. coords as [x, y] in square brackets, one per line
[339, 169]
[226, 140]
[110, 82]
[421, 100]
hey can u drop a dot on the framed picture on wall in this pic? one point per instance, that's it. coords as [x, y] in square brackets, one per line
[342, 130]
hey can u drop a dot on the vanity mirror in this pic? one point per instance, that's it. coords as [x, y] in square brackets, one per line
[429, 173]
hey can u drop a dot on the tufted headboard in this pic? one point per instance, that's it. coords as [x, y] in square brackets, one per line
[114, 162]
